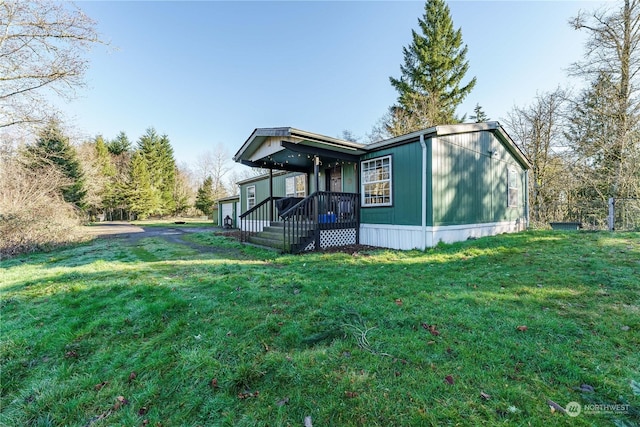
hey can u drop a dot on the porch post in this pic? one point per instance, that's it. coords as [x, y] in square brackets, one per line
[316, 210]
[316, 171]
[271, 194]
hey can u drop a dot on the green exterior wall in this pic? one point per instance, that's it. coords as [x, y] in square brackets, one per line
[262, 188]
[406, 167]
[469, 180]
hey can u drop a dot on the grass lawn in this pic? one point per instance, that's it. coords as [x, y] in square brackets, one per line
[484, 332]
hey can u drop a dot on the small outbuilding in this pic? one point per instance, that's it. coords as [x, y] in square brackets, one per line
[445, 183]
[229, 207]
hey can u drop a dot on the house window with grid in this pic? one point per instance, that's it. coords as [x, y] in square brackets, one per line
[251, 196]
[376, 182]
[513, 193]
[296, 186]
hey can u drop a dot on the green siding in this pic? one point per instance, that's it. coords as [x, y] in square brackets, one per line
[262, 188]
[469, 184]
[406, 167]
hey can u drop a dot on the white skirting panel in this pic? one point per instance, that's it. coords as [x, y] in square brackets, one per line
[410, 237]
[391, 236]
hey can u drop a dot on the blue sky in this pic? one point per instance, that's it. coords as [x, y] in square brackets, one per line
[208, 72]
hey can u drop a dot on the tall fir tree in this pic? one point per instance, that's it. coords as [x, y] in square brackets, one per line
[53, 149]
[204, 196]
[430, 86]
[479, 115]
[143, 198]
[119, 145]
[157, 153]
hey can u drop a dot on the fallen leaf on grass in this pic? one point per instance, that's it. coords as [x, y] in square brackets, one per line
[120, 402]
[485, 396]
[282, 402]
[585, 388]
[98, 387]
[351, 394]
[449, 379]
[248, 394]
[555, 407]
[432, 329]
[522, 328]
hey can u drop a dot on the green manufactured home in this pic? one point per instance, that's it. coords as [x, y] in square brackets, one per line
[444, 183]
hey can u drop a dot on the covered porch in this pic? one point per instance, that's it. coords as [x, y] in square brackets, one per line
[328, 212]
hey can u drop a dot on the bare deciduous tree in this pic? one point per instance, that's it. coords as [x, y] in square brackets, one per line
[33, 213]
[42, 47]
[613, 54]
[215, 164]
[538, 131]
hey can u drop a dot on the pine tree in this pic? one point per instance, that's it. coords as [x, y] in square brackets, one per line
[429, 89]
[53, 149]
[204, 196]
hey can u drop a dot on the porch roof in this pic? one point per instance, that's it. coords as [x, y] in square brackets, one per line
[291, 149]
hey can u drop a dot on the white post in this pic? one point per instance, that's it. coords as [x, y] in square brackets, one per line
[612, 203]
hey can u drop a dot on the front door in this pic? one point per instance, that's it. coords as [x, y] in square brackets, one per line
[334, 178]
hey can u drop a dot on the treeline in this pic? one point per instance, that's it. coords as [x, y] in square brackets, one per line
[51, 185]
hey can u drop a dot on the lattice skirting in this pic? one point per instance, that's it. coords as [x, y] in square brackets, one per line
[333, 238]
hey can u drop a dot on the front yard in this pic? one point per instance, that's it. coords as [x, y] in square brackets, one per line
[494, 331]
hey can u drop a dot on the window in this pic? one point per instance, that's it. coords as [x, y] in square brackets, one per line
[513, 188]
[376, 182]
[251, 197]
[296, 186]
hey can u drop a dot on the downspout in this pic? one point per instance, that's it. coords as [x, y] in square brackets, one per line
[424, 191]
[526, 199]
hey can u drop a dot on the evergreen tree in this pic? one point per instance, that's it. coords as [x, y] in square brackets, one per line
[429, 89]
[119, 145]
[593, 122]
[204, 196]
[143, 198]
[53, 149]
[157, 153]
[479, 116]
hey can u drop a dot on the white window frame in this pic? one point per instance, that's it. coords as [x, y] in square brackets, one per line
[513, 191]
[369, 176]
[251, 199]
[299, 185]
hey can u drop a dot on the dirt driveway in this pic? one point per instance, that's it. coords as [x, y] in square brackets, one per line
[132, 233]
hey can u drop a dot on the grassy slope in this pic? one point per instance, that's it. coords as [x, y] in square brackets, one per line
[343, 339]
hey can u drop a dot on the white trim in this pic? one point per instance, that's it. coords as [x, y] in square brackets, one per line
[254, 196]
[389, 158]
[423, 216]
[407, 237]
